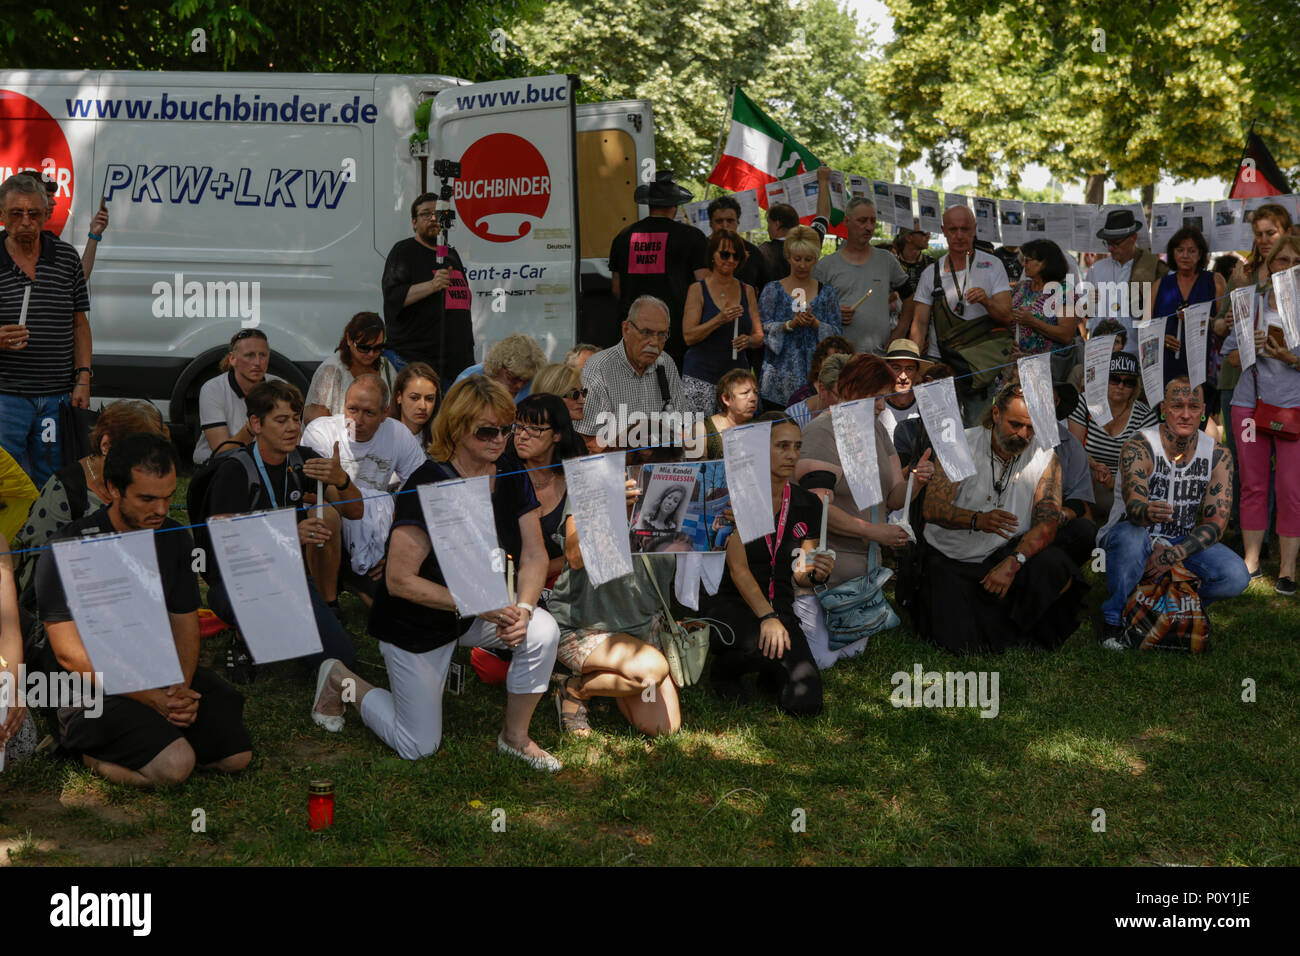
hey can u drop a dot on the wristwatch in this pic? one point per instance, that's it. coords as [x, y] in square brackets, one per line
[1020, 558]
[347, 480]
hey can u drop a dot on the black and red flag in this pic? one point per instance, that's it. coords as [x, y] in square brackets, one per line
[1257, 173]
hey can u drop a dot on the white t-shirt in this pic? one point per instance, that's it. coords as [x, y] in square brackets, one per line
[372, 465]
[988, 273]
[221, 402]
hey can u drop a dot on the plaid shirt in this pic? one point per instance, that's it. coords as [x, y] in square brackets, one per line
[611, 382]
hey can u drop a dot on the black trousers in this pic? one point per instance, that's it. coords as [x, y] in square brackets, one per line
[793, 677]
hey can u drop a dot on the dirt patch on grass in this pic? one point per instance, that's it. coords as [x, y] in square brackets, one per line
[75, 828]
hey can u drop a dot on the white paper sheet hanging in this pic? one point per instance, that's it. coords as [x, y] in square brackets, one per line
[1011, 217]
[1096, 376]
[462, 527]
[986, 219]
[747, 456]
[1196, 330]
[115, 594]
[1226, 232]
[599, 504]
[1151, 358]
[941, 415]
[1288, 304]
[260, 561]
[1036, 387]
[854, 424]
[1245, 301]
[927, 206]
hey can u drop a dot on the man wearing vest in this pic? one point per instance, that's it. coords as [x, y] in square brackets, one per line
[965, 300]
[1177, 500]
[1123, 283]
[994, 576]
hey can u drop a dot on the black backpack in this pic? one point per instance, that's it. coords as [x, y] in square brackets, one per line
[199, 493]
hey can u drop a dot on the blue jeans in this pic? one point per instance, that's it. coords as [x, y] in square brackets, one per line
[29, 431]
[1222, 573]
[335, 641]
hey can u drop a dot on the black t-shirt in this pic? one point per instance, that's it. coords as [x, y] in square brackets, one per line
[231, 494]
[754, 271]
[778, 267]
[438, 328]
[658, 256]
[803, 521]
[414, 627]
[174, 548]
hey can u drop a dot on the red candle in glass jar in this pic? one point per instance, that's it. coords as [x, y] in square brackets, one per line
[320, 804]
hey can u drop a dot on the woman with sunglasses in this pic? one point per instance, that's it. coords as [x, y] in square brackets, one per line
[720, 321]
[360, 351]
[414, 616]
[1275, 381]
[566, 382]
[1103, 443]
[544, 437]
[416, 394]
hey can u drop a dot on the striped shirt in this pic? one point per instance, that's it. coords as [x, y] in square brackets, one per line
[44, 367]
[1105, 448]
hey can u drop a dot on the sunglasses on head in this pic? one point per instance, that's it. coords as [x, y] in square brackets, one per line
[576, 394]
[1126, 380]
[370, 349]
[492, 432]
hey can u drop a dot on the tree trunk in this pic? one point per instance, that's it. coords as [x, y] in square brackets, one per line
[1094, 191]
[1148, 197]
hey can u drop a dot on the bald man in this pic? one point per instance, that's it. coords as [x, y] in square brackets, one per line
[378, 453]
[963, 313]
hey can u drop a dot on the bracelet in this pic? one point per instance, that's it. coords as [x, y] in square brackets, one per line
[346, 482]
[91, 235]
[525, 604]
[83, 368]
[768, 616]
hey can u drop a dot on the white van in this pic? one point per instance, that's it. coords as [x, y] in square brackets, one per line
[246, 198]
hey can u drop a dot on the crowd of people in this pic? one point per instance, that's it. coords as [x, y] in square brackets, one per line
[716, 333]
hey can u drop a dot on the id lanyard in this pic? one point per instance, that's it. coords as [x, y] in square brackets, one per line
[773, 545]
[266, 479]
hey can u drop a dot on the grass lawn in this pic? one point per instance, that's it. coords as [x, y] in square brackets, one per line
[1185, 771]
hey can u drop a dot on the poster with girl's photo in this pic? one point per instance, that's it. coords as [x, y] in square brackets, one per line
[680, 507]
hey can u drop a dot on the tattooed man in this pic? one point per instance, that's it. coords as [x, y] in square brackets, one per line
[1176, 501]
[994, 576]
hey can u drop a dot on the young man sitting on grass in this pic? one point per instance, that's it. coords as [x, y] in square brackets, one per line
[153, 737]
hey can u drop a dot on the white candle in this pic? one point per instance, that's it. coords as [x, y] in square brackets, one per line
[907, 501]
[22, 316]
[510, 578]
[320, 506]
[735, 333]
[826, 508]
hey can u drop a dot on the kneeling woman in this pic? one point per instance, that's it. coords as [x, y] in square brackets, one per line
[414, 616]
[756, 598]
[602, 641]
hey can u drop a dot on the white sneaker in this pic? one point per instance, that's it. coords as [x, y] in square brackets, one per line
[1113, 644]
[544, 762]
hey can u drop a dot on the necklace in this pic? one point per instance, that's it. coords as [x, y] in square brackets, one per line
[1000, 485]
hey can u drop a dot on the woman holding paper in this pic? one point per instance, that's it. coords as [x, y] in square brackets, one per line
[1267, 401]
[1128, 416]
[719, 322]
[798, 312]
[756, 598]
[1190, 283]
[414, 615]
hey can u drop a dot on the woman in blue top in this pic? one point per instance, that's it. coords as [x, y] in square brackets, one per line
[719, 322]
[1187, 283]
[798, 312]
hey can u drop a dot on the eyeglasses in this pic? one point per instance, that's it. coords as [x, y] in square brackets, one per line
[427, 216]
[726, 254]
[576, 394]
[532, 431]
[648, 333]
[1113, 243]
[17, 215]
[1124, 380]
[493, 432]
[370, 349]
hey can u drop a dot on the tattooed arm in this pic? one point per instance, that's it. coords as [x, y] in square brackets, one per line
[1136, 462]
[1216, 508]
[1046, 516]
[938, 506]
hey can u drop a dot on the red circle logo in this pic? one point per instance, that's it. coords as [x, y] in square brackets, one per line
[33, 140]
[505, 188]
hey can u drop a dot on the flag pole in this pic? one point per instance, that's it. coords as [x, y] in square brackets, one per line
[717, 151]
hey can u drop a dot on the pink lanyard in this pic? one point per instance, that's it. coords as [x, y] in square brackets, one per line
[772, 545]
